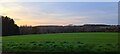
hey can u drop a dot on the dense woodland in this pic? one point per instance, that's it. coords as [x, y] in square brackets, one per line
[10, 28]
[68, 29]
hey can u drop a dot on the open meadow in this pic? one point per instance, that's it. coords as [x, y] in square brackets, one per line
[62, 42]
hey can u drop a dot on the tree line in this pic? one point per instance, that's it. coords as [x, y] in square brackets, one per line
[67, 29]
[10, 28]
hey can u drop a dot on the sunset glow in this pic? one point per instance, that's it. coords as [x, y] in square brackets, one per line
[61, 13]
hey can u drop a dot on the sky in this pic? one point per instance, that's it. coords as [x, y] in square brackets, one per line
[59, 0]
[60, 13]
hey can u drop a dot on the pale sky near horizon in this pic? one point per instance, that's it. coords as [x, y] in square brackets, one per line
[60, 13]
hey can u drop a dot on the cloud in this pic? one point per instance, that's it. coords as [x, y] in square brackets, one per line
[59, 0]
[43, 13]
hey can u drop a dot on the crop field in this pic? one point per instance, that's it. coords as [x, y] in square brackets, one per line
[62, 42]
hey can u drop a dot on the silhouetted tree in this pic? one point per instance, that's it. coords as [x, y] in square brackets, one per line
[9, 27]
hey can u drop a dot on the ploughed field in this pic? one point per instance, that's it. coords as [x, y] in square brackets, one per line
[62, 42]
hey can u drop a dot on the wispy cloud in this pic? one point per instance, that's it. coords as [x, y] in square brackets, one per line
[59, 0]
[42, 13]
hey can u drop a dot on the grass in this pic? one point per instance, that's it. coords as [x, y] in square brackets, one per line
[62, 42]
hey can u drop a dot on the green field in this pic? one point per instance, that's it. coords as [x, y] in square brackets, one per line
[62, 42]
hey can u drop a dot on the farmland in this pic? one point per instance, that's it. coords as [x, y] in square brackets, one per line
[62, 42]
